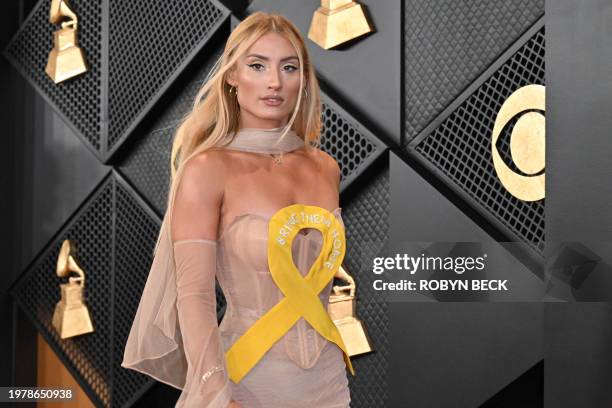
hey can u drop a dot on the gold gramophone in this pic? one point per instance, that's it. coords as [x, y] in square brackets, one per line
[71, 316]
[66, 59]
[341, 308]
[336, 22]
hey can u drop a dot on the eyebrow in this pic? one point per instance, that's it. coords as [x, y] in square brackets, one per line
[267, 59]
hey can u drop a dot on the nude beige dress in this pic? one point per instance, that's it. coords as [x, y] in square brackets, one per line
[175, 337]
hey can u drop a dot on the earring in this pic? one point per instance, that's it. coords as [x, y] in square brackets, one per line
[305, 93]
[235, 91]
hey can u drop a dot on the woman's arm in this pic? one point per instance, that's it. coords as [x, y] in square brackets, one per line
[197, 204]
[195, 220]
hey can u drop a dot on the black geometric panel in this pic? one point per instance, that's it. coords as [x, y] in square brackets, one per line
[135, 233]
[150, 43]
[458, 149]
[526, 391]
[115, 234]
[87, 357]
[352, 145]
[135, 50]
[146, 163]
[447, 44]
[79, 101]
[366, 217]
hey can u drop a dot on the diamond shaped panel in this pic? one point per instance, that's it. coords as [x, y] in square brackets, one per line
[134, 51]
[447, 44]
[366, 218]
[460, 147]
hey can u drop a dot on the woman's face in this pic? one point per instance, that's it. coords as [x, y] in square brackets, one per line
[267, 81]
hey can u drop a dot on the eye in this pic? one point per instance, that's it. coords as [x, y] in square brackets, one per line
[256, 66]
[291, 68]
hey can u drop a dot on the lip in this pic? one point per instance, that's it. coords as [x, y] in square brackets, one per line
[272, 100]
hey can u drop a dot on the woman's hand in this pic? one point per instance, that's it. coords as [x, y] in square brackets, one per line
[234, 404]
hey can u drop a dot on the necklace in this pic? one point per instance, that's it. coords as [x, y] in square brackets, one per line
[266, 141]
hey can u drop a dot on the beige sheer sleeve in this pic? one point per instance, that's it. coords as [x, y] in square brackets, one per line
[175, 336]
[206, 384]
[195, 220]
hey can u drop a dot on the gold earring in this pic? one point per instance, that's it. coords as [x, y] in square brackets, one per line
[235, 91]
[305, 93]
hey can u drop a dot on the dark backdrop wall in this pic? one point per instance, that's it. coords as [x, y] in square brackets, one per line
[578, 363]
[393, 102]
[9, 23]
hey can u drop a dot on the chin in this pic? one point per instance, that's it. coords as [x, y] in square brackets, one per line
[279, 115]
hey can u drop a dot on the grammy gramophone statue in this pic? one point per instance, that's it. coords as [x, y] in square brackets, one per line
[337, 22]
[341, 308]
[66, 59]
[71, 317]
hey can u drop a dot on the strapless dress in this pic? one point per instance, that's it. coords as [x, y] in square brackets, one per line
[302, 369]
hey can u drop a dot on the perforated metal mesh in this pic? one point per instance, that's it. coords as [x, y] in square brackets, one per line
[136, 232]
[353, 146]
[87, 356]
[78, 99]
[449, 43]
[149, 41]
[147, 162]
[115, 234]
[460, 147]
[366, 219]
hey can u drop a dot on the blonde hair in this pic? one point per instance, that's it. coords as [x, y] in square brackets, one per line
[215, 113]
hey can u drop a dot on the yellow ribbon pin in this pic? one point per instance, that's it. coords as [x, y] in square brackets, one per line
[301, 293]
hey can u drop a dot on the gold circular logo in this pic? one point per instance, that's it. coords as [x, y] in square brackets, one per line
[527, 143]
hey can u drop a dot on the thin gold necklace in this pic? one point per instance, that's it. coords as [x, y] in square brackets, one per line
[278, 158]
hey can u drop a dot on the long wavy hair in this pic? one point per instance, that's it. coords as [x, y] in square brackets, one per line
[215, 113]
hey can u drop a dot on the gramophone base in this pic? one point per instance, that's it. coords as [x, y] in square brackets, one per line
[354, 337]
[332, 27]
[72, 322]
[65, 64]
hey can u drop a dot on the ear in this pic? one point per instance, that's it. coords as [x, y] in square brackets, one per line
[231, 77]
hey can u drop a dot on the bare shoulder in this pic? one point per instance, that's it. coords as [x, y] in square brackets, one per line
[331, 166]
[206, 164]
[203, 176]
[198, 197]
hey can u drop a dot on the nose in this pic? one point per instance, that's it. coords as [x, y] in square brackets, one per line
[274, 80]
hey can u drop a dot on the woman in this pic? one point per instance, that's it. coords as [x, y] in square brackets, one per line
[247, 155]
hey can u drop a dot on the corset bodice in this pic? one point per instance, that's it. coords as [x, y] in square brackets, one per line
[250, 291]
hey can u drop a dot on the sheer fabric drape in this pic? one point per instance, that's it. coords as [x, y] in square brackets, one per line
[175, 337]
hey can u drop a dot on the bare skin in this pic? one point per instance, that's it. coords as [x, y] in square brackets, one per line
[299, 179]
[269, 67]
